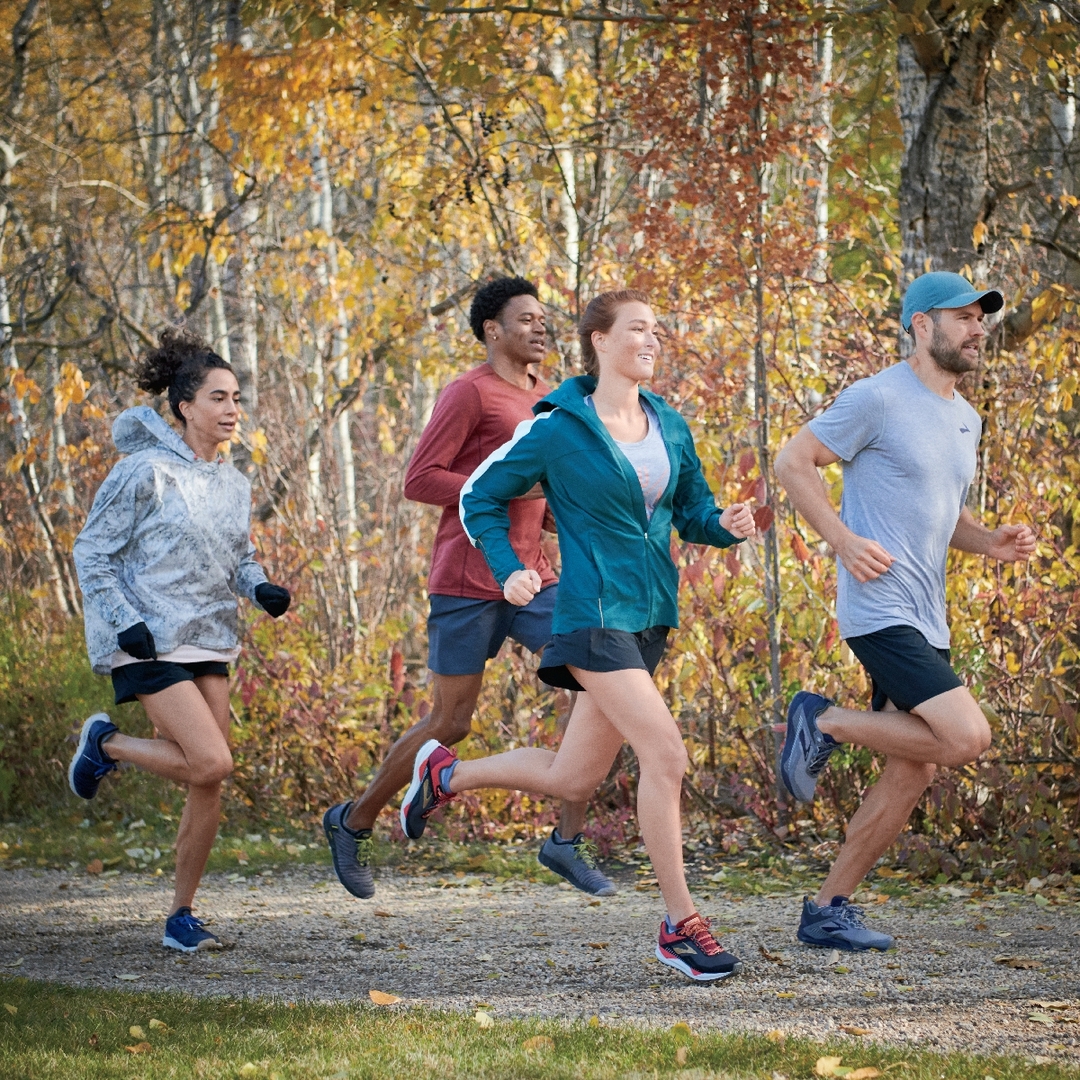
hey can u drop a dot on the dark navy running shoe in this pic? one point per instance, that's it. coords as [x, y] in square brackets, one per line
[351, 852]
[692, 949]
[806, 748]
[188, 934]
[426, 794]
[90, 762]
[575, 860]
[839, 926]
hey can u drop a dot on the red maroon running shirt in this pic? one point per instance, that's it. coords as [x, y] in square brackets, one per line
[473, 416]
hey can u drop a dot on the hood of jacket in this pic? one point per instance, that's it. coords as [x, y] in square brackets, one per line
[141, 428]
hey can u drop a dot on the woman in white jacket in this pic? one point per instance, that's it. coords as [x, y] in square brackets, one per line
[164, 554]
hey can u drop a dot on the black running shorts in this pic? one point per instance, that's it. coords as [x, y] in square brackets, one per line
[153, 676]
[600, 649]
[903, 667]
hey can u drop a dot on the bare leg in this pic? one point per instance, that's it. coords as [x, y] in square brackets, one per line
[449, 721]
[620, 705]
[888, 804]
[949, 729]
[572, 818]
[193, 719]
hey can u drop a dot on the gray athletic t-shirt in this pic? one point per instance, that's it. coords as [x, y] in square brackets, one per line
[649, 458]
[909, 457]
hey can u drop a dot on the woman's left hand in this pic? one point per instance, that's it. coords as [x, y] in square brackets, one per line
[738, 520]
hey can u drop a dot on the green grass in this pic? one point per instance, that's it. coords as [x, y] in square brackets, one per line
[83, 1034]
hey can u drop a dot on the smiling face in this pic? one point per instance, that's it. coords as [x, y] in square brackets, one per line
[956, 336]
[520, 331]
[213, 414]
[630, 348]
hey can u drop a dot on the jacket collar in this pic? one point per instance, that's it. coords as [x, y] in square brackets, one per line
[141, 428]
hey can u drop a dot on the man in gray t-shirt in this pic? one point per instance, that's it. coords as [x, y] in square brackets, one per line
[908, 443]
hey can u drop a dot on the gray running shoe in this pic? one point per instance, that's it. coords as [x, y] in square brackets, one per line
[806, 748]
[575, 860]
[839, 926]
[351, 851]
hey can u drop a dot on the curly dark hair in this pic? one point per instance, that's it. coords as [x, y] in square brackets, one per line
[179, 365]
[493, 296]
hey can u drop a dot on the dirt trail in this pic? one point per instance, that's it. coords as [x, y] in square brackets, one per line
[534, 949]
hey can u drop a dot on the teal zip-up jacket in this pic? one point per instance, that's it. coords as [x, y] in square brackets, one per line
[616, 563]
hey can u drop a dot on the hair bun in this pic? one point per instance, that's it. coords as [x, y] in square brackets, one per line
[159, 366]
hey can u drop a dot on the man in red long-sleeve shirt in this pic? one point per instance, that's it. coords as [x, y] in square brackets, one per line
[470, 619]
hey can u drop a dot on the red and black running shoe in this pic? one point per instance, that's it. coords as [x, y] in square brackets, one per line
[692, 949]
[426, 793]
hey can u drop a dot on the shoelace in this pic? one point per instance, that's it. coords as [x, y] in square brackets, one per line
[822, 754]
[586, 852]
[190, 922]
[364, 850]
[697, 929]
[850, 917]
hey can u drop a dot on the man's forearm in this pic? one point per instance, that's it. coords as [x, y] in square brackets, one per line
[971, 535]
[808, 495]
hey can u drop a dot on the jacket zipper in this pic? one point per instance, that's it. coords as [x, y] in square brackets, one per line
[600, 605]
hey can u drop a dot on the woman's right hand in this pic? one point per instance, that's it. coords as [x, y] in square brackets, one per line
[137, 641]
[521, 586]
[738, 519]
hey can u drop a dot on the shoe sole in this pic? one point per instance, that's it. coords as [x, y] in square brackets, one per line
[84, 735]
[334, 856]
[843, 946]
[543, 860]
[422, 755]
[172, 943]
[685, 969]
[785, 758]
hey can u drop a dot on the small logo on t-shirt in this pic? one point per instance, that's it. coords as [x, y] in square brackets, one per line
[965, 430]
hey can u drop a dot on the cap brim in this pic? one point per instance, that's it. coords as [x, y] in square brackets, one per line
[990, 300]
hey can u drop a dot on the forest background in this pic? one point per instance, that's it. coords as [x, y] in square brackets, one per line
[318, 190]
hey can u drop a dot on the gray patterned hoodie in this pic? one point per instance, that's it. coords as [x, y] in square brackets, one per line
[167, 542]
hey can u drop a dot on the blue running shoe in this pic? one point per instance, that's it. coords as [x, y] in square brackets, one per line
[90, 762]
[186, 933]
[692, 949]
[839, 926]
[575, 860]
[351, 852]
[806, 749]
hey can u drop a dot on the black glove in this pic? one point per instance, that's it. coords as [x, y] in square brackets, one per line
[273, 599]
[137, 641]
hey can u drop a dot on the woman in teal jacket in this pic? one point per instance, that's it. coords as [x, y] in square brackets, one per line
[618, 467]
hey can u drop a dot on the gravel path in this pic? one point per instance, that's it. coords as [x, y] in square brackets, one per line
[539, 950]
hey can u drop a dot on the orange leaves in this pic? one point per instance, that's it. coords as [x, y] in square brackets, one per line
[22, 386]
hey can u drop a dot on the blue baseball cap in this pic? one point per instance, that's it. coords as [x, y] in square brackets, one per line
[944, 290]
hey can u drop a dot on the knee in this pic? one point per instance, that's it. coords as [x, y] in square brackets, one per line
[213, 771]
[668, 763]
[452, 728]
[970, 743]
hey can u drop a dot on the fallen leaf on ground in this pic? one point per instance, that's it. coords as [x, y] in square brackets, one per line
[13, 1009]
[93, 1040]
[594, 1021]
[249, 1068]
[826, 1066]
[775, 958]
[136, 1032]
[139, 1048]
[598, 944]
[851, 1029]
[95, 866]
[832, 957]
[1045, 928]
[379, 998]
[380, 913]
[483, 1019]
[785, 994]
[681, 1027]
[1021, 962]
[128, 978]
[841, 970]
[776, 1035]
[868, 1072]
[1041, 1018]
[158, 1025]
[680, 1056]
[539, 1042]
[1050, 1004]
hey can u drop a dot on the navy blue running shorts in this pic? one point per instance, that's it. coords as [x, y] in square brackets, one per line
[903, 667]
[153, 676]
[464, 634]
[601, 649]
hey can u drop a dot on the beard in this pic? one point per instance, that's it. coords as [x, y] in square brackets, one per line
[950, 357]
